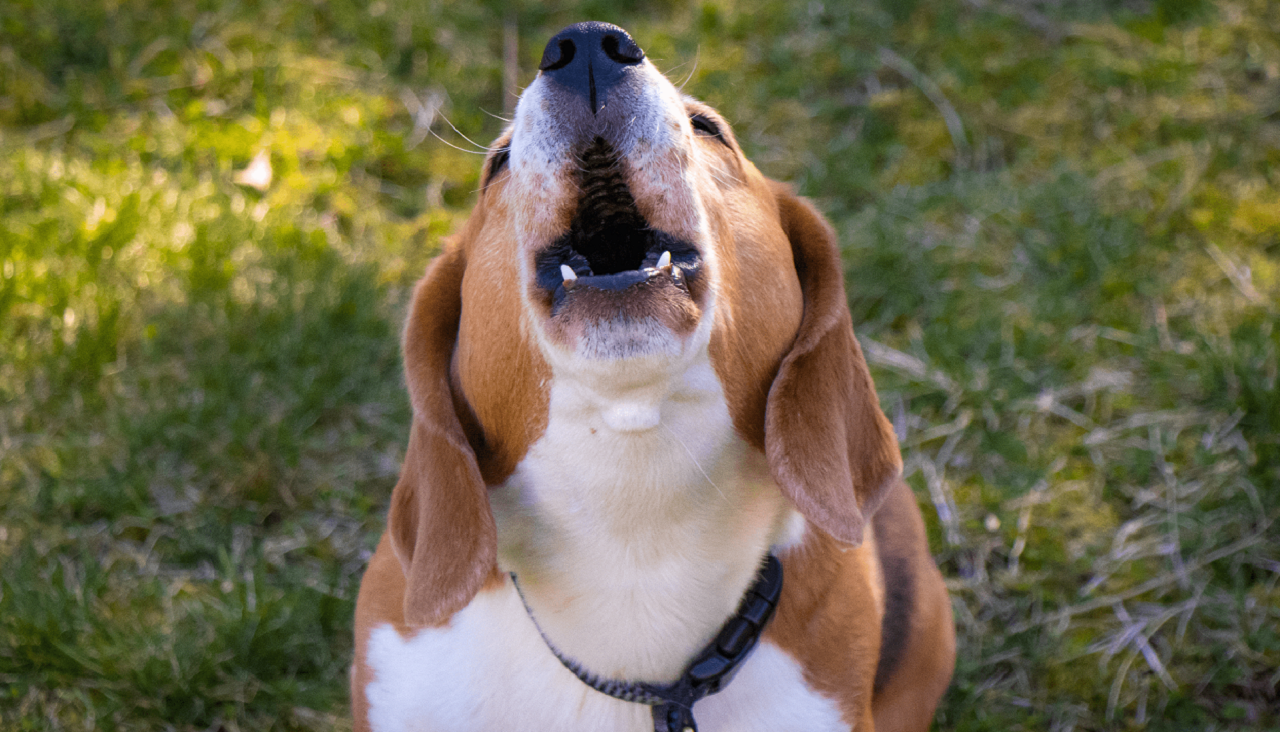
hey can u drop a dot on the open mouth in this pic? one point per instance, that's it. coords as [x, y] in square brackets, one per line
[609, 246]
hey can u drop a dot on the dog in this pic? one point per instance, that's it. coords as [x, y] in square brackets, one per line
[636, 394]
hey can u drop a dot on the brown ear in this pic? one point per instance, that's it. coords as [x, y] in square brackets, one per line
[830, 448]
[441, 526]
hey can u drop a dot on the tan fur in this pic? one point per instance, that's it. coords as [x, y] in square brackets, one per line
[763, 302]
[824, 430]
[826, 619]
[476, 409]
[835, 455]
[906, 701]
[499, 370]
[440, 506]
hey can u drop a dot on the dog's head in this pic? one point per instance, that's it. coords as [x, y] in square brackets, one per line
[619, 235]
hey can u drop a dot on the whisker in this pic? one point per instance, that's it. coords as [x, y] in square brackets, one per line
[468, 139]
[495, 116]
[721, 177]
[696, 464]
[691, 71]
[671, 70]
[455, 147]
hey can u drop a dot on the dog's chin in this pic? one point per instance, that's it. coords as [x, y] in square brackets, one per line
[633, 314]
[613, 287]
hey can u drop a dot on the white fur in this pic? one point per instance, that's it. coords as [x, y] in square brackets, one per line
[633, 546]
[769, 695]
[489, 670]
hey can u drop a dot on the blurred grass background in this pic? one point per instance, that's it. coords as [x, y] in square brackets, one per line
[1062, 232]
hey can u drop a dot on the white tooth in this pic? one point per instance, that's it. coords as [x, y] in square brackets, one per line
[664, 260]
[567, 273]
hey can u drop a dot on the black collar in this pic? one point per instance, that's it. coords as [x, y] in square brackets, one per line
[709, 672]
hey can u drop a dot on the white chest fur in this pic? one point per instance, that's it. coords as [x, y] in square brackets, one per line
[489, 670]
[634, 544]
[634, 524]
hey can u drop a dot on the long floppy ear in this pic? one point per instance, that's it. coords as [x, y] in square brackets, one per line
[441, 525]
[830, 448]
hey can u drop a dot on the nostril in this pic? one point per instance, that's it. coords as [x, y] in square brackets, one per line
[624, 52]
[590, 61]
[557, 55]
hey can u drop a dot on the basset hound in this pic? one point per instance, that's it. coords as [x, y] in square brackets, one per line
[636, 393]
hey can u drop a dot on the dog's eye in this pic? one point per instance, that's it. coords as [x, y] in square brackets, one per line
[704, 125]
[498, 162]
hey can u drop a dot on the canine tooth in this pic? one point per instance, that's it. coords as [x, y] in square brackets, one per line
[664, 260]
[567, 273]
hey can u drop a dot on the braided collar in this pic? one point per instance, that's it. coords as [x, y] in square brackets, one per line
[709, 672]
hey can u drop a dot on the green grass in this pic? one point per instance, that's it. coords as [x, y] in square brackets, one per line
[1069, 301]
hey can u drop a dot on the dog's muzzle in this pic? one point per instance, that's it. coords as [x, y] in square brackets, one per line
[609, 246]
[610, 263]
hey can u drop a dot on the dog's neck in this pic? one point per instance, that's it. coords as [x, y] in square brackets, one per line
[633, 543]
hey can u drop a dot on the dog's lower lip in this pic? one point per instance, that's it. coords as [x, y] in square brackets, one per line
[580, 267]
[623, 280]
[560, 268]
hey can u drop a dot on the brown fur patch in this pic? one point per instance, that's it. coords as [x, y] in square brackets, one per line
[918, 652]
[440, 524]
[827, 619]
[832, 450]
[498, 368]
[760, 303]
[475, 385]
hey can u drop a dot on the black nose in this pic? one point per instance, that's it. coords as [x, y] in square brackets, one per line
[590, 59]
